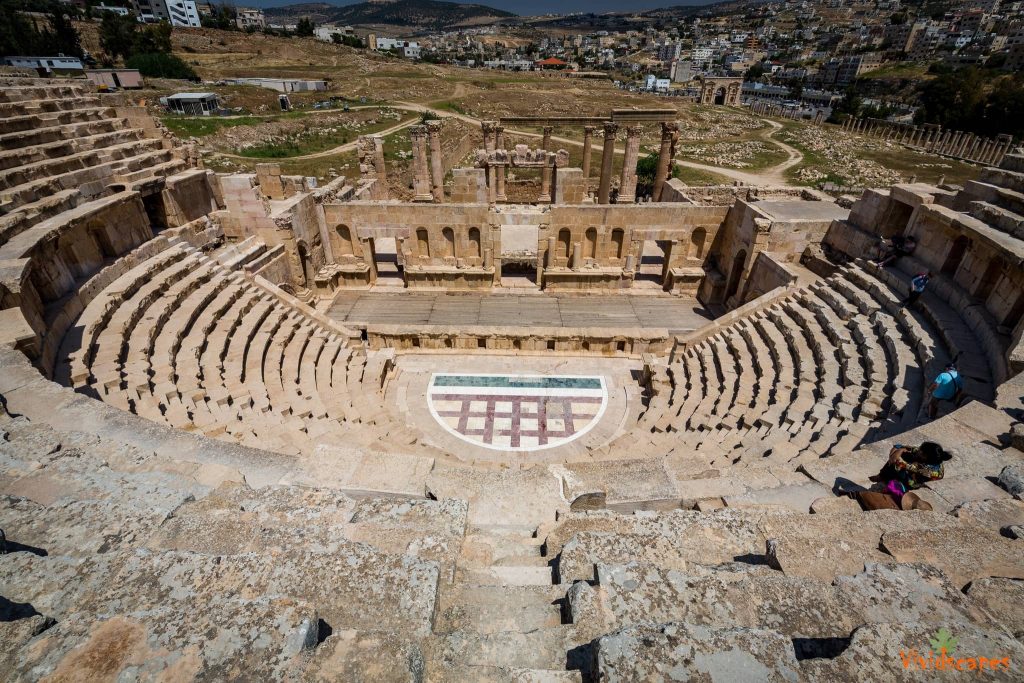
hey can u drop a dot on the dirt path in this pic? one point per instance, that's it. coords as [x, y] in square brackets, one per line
[776, 175]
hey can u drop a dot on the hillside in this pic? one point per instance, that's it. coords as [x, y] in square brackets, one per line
[430, 14]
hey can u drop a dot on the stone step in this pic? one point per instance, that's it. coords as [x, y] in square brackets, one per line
[494, 609]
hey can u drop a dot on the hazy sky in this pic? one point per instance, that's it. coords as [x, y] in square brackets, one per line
[533, 6]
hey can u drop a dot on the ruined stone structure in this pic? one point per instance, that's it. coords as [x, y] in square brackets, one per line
[721, 90]
[932, 138]
[205, 477]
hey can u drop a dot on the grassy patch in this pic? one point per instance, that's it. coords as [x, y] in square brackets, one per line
[693, 176]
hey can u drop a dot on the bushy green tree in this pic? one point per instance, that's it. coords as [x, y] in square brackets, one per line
[304, 27]
[161, 65]
[117, 34]
[19, 35]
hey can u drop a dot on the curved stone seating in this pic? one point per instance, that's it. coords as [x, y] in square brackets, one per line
[181, 339]
[813, 374]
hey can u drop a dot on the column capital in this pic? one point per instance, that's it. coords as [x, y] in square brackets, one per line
[433, 126]
[488, 126]
[589, 130]
[417, 132]
[548, 130]
[669, 128]
[610, 128]
[634, 131]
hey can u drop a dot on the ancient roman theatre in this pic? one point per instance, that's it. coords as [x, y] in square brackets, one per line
[258, 428]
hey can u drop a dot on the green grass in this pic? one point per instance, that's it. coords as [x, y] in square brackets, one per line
[448, 105]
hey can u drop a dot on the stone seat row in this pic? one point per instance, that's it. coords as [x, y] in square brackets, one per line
[814, 374]
[28, 122]
[27, 90]
[55, 133]
[46, 105]
[64, 147]
[146, 157]
[89, 157]
[181, 339]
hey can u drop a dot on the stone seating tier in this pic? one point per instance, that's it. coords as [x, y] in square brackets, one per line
[110, 541]
[180, 339]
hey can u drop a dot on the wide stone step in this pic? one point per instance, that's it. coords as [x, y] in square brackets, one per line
[494, 609]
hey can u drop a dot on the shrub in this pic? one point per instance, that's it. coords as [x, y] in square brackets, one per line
[161, 65]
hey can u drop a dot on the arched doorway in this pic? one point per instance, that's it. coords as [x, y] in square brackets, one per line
[697, 239]
[956, 254]
[989, 279]
[305, 266]
[344, 241]
[618, 242]
[564, 243]
[735, 274]
[449, 242]
[422, 243]
[720, 96]
[590, 243]
[474, 243]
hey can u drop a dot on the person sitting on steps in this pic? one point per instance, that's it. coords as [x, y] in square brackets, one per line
[947, 386]
[901, 246]
[917, 286]
[907, 469]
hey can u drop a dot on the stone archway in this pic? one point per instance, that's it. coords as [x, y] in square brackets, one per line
[721, 90]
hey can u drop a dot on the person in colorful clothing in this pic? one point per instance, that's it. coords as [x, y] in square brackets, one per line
[907, 469]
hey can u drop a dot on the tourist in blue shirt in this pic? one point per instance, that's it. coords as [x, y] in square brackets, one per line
[917, 286]
[948, 386]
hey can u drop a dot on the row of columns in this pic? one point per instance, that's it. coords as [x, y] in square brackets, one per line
[765, 108]
[428, 172]
[932, 138]
[494, 140]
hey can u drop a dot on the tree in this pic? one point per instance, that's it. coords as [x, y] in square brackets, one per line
[1003, 111]
[304, 28]
[153, 38]
[64, 36]
[117, 34]
[161, 65]
[953, 100]
[336, 38]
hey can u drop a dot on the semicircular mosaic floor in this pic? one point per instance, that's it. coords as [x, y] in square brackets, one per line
[516, 409]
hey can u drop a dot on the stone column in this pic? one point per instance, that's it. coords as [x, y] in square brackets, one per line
[627, 185]
[607, 155]
[546, 142]
[588, 140]
[436, 165]
[545, 179]
[550, 255]
[965, 144]
[499, 144]
[421, 172]
[492, 184]
[669, 135]
[488, 127]
[577, 255]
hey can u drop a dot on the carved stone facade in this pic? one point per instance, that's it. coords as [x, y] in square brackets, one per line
[725, 90]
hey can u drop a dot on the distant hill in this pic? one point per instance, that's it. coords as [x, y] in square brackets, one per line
[431, 14]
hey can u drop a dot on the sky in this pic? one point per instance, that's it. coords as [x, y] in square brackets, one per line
[534, 6]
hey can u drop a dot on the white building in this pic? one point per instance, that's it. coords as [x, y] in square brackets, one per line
[326, 32]
[177, 12]
[247, 17]
[121, 11]
[408, 48]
